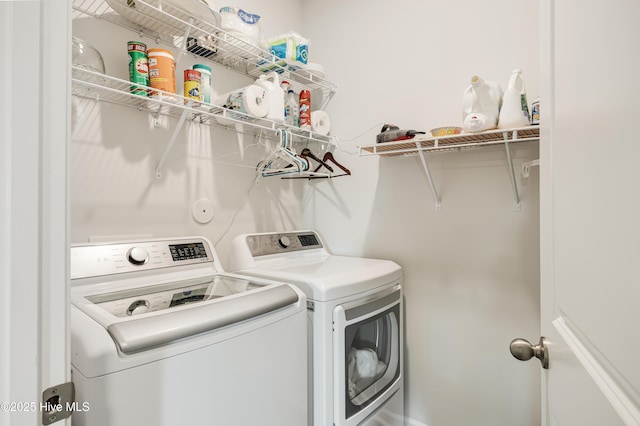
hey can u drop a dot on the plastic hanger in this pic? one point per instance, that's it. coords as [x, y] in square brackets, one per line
[293, 163]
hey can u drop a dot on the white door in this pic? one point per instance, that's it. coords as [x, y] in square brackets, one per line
[34, 104]
[590, 211]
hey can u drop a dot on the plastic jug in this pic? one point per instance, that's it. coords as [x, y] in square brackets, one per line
[481, 103]
[515, 110]
[271, 85]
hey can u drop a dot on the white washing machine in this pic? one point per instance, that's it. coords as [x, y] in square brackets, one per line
[355, 323]
[161, 336]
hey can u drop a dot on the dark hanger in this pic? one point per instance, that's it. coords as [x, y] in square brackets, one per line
[307, 153]
[329, 157]
[322, 163]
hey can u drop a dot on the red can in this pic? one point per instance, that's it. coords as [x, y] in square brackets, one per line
[305, 109]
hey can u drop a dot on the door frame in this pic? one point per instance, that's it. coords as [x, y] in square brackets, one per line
[34, 223]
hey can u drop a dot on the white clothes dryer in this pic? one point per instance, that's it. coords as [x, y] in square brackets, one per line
[160, 335]
[354, 306]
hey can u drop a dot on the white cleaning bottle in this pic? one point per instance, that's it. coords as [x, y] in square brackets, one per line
[481, 105]
[515, 110]
[271, 84]
[291, 110]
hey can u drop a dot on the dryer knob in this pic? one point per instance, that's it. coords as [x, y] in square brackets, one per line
[284, 241]
[138, 256]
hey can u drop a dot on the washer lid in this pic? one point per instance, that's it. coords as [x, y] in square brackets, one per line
[140, 318]
[328, 277]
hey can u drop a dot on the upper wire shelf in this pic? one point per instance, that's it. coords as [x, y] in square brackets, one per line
[169, 25]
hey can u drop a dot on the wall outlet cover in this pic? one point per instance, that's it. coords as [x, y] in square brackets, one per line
[202, 211]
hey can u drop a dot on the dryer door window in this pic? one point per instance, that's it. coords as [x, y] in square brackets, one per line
[371, 357]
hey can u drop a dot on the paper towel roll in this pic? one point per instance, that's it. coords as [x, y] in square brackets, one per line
[320, 122]
[251, 100]
[314, 69]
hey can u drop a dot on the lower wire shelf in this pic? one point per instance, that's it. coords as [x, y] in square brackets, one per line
[89, 84]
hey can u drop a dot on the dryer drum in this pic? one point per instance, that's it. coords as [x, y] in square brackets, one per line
[372, 361]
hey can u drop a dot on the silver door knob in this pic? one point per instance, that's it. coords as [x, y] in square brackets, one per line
[523, 350]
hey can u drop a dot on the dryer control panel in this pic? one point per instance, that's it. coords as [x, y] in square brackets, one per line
[282, 242]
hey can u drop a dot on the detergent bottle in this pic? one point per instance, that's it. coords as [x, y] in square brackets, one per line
[270, 83]
[515, 110]
[481, 103]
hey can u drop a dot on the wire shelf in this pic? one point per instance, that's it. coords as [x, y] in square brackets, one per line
[422, 145]
[169, 25]
[93, 85]
[452, 142]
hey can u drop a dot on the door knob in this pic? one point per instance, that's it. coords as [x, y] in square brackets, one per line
[523, 350]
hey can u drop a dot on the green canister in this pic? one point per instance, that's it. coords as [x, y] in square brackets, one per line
[138, 67]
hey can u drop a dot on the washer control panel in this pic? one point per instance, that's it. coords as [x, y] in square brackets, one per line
[282, 242]
[96, 260]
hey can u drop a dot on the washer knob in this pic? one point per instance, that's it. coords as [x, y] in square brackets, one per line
[138, 256]
[284, 241]
[138, 307]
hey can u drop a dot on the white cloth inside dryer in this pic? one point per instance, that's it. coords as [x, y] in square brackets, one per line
[364, 368]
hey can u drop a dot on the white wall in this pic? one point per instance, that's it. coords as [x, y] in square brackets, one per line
[114, 152]
[471, 269]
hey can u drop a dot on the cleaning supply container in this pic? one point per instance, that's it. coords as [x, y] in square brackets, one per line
[535, 111]
[481, 103]
[292, 110]
[271, 84]
[305, 109]
[162, 71]
[192, 87]
[205, 82]
[138, 67]
[515, 110]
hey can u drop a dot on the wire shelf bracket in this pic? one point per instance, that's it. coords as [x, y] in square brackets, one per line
[514, 184]
[172, 142]
[425, 165]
